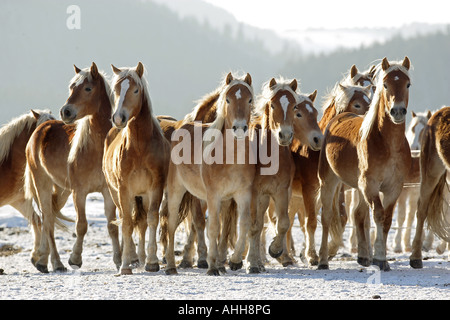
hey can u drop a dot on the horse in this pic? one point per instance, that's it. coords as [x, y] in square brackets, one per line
[281, 115]
[364, 79]
[407, 201]
[13, 140]
[65, 157]
[202, 172]
[434, 165]
[135, 164]
[343, 98]
[370, 154]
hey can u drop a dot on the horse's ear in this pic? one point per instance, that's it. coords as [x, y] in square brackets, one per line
[313, 95]
[406, 63]
[229, 78]
[413, 114]
[343, 88]
[77, 70]
[115, 70]
[248, 79]
[353, 71]
[385, 64]
[272, 83]
[429, 114]
[35, 114]
[372, 71]
[94, 70]
[293, 85]
[140, 69]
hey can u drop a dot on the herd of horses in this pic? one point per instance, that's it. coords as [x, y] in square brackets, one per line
[158, 171]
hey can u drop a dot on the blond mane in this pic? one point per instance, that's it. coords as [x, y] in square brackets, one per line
[11, 131]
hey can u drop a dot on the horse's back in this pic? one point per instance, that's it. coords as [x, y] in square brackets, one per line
[441, 120]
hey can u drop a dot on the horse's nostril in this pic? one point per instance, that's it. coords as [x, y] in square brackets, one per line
[280, 135]
[234, 128]
[123, 118]
[392, 112]
[245, 128]
[67, 113]
[316, 140]
[404, 111]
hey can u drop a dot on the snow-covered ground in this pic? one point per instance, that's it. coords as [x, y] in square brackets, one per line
[98, 280]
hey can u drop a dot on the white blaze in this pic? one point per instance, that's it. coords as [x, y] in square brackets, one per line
[284, 101]
[238, 94]
[123, 91]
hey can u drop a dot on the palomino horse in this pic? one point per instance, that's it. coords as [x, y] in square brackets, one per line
[434, 165]
[203, 172]
[13, 140]
[281, 115]
[135, 163]
[343, 98]
[407, 201]
[371, 154]
[66, 157]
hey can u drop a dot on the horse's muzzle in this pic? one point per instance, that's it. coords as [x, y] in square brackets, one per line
[68, 114]
[398, 114]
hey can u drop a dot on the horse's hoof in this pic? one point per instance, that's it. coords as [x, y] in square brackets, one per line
[164, 261]
[213, 272]
[33, 261]
[41, 268]
[135, 264]
[126, 271]
[185, 264]
[61, 269]
[152, 267]
[254, 270]
[323, 267]
[288, 263]
[365, 262]
[222, 270]
[313, 262]
[171, 271]
[235, 266]
[416, 263]
[383, 265]
[75, 265]
[274, 254]
[202, 264]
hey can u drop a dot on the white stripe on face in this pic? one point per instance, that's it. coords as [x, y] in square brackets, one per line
[238, 94]
[123, 91]
[284, 101]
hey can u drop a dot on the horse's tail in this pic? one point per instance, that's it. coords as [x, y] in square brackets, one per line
[229, 220]
[29, 189]
[186, 206]
[437, 210]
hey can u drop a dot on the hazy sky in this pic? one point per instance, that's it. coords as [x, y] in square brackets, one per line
[301, 14]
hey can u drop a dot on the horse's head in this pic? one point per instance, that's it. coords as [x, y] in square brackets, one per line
[238, 104]
[84, 92]
[281, 112]
[306, 129]
[396, 83]
[363, 79]
[354, 99]
[415, 130]
[129, 94]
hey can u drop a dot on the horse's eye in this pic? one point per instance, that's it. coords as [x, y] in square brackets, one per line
[299, 115]
[408, 85]
[228, 101]
[137, 90]
[385, 86]
[250, 101]
[357, 106]
[87, 89]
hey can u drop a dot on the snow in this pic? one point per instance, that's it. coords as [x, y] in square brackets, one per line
[98, 280]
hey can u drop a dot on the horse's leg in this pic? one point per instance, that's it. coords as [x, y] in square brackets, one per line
[278, 245]
[213, 226]
[152, 262]
[188, 251]
[79, 200]
[243, 203]
[198, 218]
[126, 203]
[410, 215]
[310, 210]
[259, 204]
[353, 203]
[401, 209]
[175, 195]
[361, 218]
[113, 229]
[142, 207]
[228, 217]
[25, 206]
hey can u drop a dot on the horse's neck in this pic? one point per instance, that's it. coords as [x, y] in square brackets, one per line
[328, 114]
[100, 122]
[142, 127]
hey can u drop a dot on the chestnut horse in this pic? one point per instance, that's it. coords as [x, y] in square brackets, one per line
[13, 140]
[371, 154]
[343, 98]
[281, 115]
[207, 176]
[135, 163]
[434, 165]
[66, 157]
